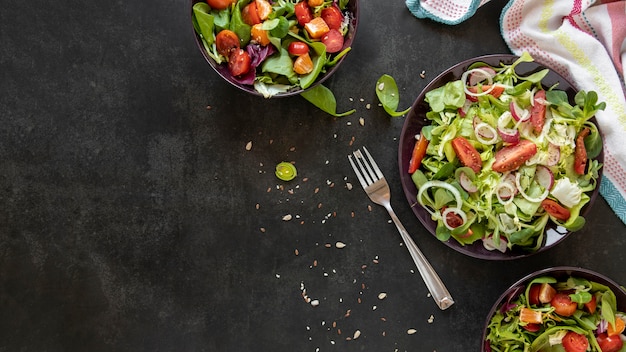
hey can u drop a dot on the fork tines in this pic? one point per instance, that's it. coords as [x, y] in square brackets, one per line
[367, 171]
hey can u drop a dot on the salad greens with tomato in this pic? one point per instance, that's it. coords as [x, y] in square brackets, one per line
[276, 46]
[504, 156]
[571, 315]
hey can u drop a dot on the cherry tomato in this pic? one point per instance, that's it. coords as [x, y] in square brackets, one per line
[580, 153]
[259, 35]
[239, 62]
[496, 92]
[538, 111]
[575, 342]
[333, 17]
[298, 48]
[533, 294]
[419, 151]
[333, 41]
[314, 3]
[303, 13]
[249, 14]
[512, 157]
[226, 41]
[263, 9]
[555, 209]
[590, 306]
[219, 4]
[609, 343]
[303, 64]
[532, 327]
[563, 304]
[453, 219]
[541, 293]
[467, 154]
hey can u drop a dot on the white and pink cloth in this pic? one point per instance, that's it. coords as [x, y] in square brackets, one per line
[585, 42]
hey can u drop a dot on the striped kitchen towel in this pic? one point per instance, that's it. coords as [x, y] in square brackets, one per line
[585, 42]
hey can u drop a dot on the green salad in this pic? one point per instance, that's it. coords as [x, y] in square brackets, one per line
[504, 156]
[550, 315]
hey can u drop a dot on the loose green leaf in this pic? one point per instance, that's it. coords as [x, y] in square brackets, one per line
[388, 95]
[324, 99]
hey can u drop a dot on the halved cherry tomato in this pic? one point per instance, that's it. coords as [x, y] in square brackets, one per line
[538, 111]
[540, 293]
[580, 153]
[575, 342]
[512, 157]
[303, 64]
[263, 9]
[533, 294]
[590, 306]
[314, 3]
[555, 209]
[249, 14]
[496, 92]
[609, 343]
[616, 329]
[467, 154]
[259, 35]
[316, 28]
[219, 4]
[532, 327]
[333, 41]
[226, 41]
[419, 151]
[298, 48]
[303, 13]
[563, 304]
[239, 62]
[333, 17]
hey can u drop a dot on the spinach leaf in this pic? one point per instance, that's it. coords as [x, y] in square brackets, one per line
[324, 99]
[203, 21]
[238, 26]
[388, 95]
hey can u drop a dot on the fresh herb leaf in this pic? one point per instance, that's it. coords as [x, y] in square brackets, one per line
[324, 99]
[388, 95]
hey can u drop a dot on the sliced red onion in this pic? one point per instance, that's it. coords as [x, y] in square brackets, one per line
[519, 114]
[508, 135]
[480, 74]
[463, 109]
[544, 177]
[485, 133]
[554, 154]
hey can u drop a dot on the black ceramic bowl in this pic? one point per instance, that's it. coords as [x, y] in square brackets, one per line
[352, 9]
[559, 273]
[416, 119]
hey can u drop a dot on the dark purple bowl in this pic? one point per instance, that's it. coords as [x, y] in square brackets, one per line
[222, 70]
[560, 272]
[416, 119]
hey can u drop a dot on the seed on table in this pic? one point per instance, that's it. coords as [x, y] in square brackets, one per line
[257, 206]
[411, 331]
[296, 252]
[249, 145]
[315, 303]
[262, 229]
[340, 245]
[382, 295]
[356, 334]
[287, 217]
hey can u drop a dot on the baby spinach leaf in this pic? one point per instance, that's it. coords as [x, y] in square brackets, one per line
[203, 21]
[324, 99]
[388, 95]
[238, 26]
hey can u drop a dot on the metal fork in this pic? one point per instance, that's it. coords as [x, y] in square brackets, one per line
[377, 189]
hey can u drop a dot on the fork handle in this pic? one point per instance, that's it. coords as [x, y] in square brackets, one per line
[437, 289]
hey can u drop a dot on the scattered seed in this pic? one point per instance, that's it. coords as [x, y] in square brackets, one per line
[257, 206]
[319, 205]
[296, 252]
[358, 300]
[362, 120]
[349, 186]
[423, 74]
[381, 86]
[315, 262]
[338, 331]
[340, 245]
[384, 334]
[352, 214]
[369, 207]
[287, 217]
[356, 334]
[262, 229]
[368, 106]
[278, 276]
[292, 149]
[382, 295]
[431, 319]
[317, 189]
[411, 331]
[209, 107]
[269, 189]
[315, 303]
[383, 318]
[249, 145]
[374, 307]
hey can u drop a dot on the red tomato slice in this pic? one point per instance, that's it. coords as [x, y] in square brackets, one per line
[541, 293]
[563, 305]
[333, 17]
[303, 13]
[533, 294]
[575, 342]
[555, 209]
[538, 111]
[219, 4]
[609, 343]
[419, 151]
[239, 62]
[580, 153]
[333, 41]
[249, 14]
[532, 327]
[590, 306]
[298, 48]
[467, 154]
[512, 157]
[226, 41]
[495, 92]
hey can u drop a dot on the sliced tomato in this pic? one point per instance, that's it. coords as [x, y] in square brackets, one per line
[591, 306]
[220, 4]
[298, 48]
[563, 304]
[333, 17]
[512, 157]
[333, 41]
[580, 153]
[249, 14]
[263, 9]
[575, 342]
[555, 209]
[533, 294]
[239, 62]
[453, 219]
[316, 28]
[538, 111]
[303, 64]
[617, 328]
[303, 13]
[540, 293]
[226, 41]
[419, 151]
[259, 35]
[467, 154]
[314, 3]
[609, 343]
[496, 92]
[532, 327]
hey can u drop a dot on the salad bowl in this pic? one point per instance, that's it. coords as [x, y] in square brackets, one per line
[416, 119]
[278, 80]
[590, 321]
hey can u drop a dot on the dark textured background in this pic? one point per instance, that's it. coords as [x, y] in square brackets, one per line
[132, 217]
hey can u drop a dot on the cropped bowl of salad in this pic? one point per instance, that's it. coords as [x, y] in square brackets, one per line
[274, 48]
[500, 157]
[562, 309]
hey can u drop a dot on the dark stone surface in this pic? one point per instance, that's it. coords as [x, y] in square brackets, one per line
[131, 215]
